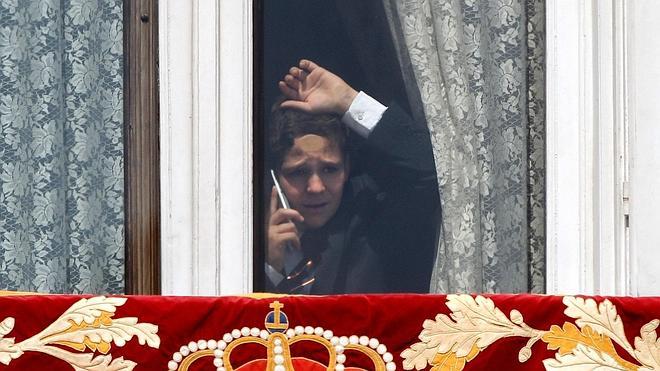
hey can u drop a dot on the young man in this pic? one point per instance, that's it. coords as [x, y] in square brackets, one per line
[348, 231]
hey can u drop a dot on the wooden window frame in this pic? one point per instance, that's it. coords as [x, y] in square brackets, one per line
[141, 148]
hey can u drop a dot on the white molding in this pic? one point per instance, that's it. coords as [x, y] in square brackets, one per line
[642, 82]
[610, 166]
[586, 153]
[235, 100]
[566, 268]
[205, 176]
[206, 146]
[175, 70]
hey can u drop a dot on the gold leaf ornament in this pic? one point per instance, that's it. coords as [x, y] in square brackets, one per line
[589, 344]
[582, 358]
[474, 324]
[602, 318]
[418, 356]
[566, 338]
[87, 324]
[647, 347]
[474, 321]
[450, 362]
[8, 350]
[6, 326]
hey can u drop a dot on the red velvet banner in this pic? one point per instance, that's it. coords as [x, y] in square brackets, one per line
[354, 332]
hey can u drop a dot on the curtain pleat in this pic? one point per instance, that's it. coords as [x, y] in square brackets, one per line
[61, 146]
[475, 70]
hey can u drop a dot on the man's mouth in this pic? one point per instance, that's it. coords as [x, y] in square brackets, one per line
[315, 206]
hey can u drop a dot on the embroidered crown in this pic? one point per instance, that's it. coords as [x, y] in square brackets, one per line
[277, 338]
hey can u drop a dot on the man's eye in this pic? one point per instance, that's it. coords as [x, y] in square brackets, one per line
[298, 173]
[330, 169]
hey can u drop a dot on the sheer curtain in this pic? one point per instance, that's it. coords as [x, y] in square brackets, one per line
[61, 150]
[474, 72]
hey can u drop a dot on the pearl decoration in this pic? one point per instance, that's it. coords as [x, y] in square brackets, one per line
[339, 344]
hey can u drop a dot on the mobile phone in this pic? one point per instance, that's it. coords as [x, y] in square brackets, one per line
[280, 193]
[294, 255]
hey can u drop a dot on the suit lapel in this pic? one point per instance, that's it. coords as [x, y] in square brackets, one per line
[330, 264]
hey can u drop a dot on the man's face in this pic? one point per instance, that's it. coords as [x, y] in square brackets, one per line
[313, 175]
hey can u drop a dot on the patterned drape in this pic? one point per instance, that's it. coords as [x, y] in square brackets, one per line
[61, 150]
[474, 71]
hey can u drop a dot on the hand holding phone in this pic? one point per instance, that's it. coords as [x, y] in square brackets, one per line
[280, 194]
[283, 237]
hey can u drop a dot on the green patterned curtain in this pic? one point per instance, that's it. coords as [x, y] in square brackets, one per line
[61, 149]
[475, 72]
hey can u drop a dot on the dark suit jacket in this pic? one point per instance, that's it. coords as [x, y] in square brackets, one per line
[383, 237]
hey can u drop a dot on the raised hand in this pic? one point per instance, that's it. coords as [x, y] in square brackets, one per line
[313, 89]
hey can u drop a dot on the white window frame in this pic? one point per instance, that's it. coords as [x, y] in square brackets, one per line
[206, 147]
[588, 248]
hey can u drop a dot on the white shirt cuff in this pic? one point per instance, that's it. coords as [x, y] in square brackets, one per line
[274, 276]
[363, 114]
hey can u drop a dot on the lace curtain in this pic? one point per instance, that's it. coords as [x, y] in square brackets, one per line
[61, 150]
[474, 72]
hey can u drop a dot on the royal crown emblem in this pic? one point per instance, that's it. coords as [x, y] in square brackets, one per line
[278, 338]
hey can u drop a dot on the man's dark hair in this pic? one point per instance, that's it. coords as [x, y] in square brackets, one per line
[288, 124]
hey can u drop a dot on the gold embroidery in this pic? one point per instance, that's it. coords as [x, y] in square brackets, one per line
[87, 323]
[450, 342]
[450, 362]
[185, 364]
[566, 339]
[276, 339]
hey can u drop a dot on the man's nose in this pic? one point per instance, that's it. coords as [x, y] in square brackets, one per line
[315, 184]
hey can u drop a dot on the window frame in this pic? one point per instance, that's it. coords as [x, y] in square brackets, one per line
[205, 48]
[575, 253]
[141, 148]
